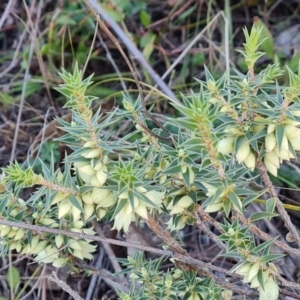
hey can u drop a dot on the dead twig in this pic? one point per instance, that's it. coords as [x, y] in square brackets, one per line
[132, 48]
[264, 236]
[286, 218]
[7, 11]
[64, 286]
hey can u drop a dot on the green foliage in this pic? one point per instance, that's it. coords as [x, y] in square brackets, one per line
[226, 130]
[174, 284]
[13, 277]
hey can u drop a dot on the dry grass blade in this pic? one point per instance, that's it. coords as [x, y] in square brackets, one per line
[132, 48]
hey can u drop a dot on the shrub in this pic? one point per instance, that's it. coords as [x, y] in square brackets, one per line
[231, 129]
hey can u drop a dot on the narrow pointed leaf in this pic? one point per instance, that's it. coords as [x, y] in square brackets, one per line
[262, 215]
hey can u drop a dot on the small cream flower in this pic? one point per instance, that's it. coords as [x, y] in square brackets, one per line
[270, 142]
[214, 207]
[123, 218]
[64, 207]
[270, 291]
[250, 161]
[181, 205]
[243, 151]
[226, 145]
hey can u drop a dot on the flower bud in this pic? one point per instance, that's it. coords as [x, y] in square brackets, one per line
[141, 210]
[271, 168]
[76, 212]
[245, 83]
[271, 128]
[39, 247]
[225, 108]
[88, 210]
[89, 144]
[59, 262]
[270, 142]
[102, 175]
[141, 189]
[64, 208]
[211, 86]
[234, 130]
[270, 290]
[184, 168]
[87, 170]
[78, 224]
[211, 189]
[244, 269]
[92, 153]
[12, 233]
[258, 127]
[20, 234]
[291, 131]
[127, 105]
[100, 212]
[99, 195]
[87, 198]
[59, 240]
[72, 243]
[5, 230]
[94, 181]
[182, 204]
[295, 142]
[17, 245]
[226, 145]
[253, 271]
[214, 207]
[98, 166]
[181, 153]
[250, 161]
[282, 154]
[47, 221]
[78, 253]
[255, 282]
[243, 151]
[194, 296]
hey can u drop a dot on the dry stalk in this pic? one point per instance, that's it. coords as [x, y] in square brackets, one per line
[286, 218]
[264, 236]
[64, 286]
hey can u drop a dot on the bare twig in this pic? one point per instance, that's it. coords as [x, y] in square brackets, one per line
[109, 251]
[95, 279]
[184, 261]
[109, 278]
[201, 225]
[132, 48]
[64, 286]
[264, 236]
[35, 41]
[193, 42]
[26, 78]
[182, 8]
[207, 218]
[37, 228]
[287, 220]
[132, 70]
[7, 11]
[182, 258]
